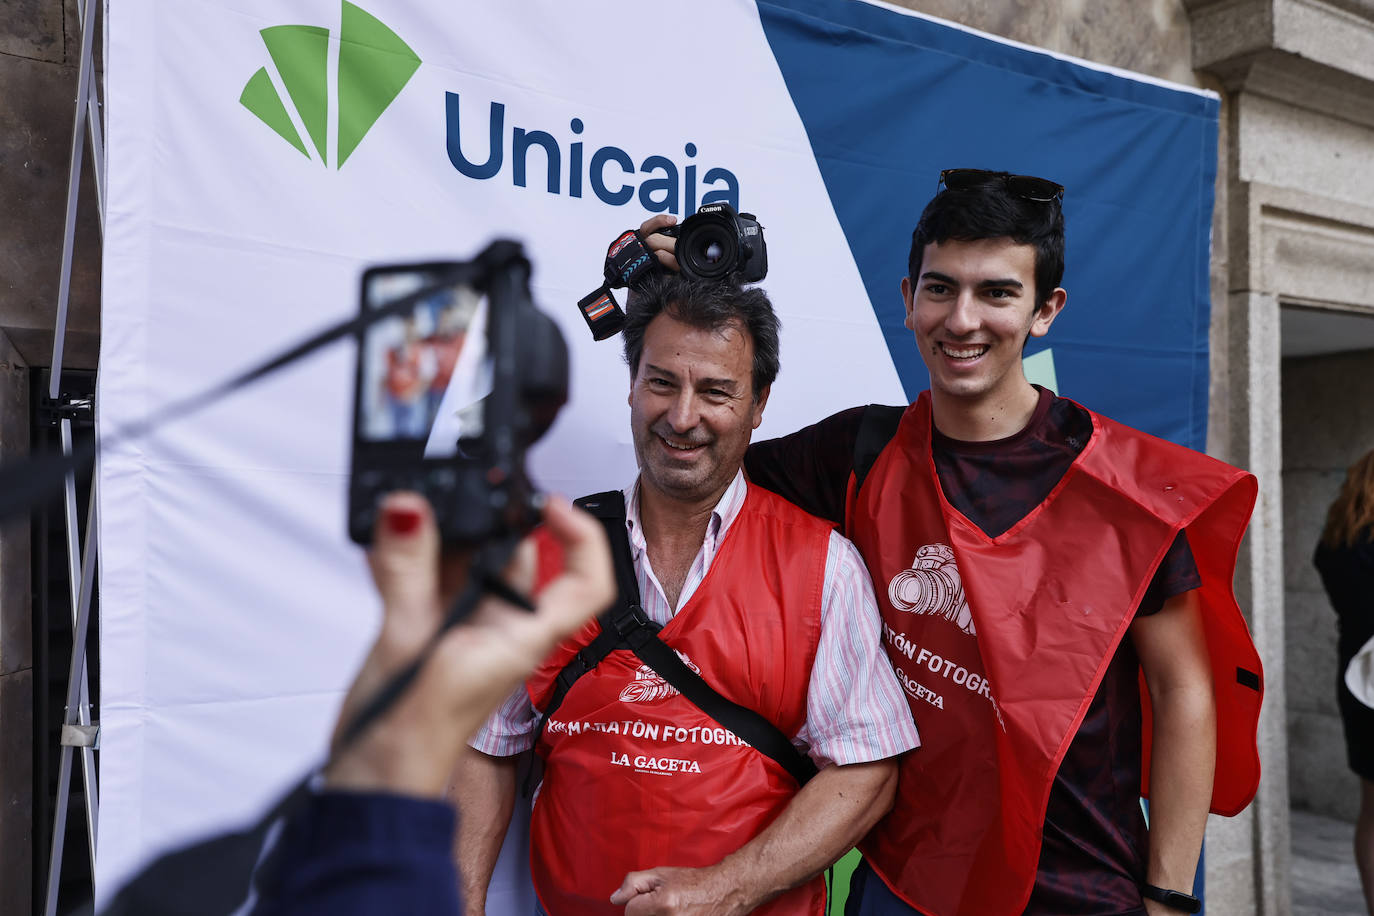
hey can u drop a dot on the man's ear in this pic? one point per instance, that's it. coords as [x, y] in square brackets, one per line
[1048, 311]
[909, 298]
[759, 404]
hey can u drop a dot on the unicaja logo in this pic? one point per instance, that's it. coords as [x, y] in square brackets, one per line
[374, 65]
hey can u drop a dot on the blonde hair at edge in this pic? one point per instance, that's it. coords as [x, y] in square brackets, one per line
[1351, 516]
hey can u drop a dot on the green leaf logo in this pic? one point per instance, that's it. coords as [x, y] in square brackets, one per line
[374, 66]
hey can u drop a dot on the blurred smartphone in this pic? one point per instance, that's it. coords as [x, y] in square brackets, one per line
[421, 381]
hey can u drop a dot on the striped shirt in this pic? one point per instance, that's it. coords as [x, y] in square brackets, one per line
[855, 709]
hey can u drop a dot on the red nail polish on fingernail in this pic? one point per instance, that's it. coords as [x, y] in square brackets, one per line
[402, 521]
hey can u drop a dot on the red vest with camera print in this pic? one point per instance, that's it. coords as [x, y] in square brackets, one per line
[1000, 644]
[635, 775]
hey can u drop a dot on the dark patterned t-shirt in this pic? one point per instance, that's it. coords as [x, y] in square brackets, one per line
[1094, 853]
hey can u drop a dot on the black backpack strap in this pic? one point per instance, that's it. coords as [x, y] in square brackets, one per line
[609, 508]
[625, 626]
[876, 429]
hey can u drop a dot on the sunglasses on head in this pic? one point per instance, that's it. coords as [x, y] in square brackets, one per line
[1026, 187]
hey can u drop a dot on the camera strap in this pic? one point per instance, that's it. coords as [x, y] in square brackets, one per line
[628, 259]
[625, 626]
[602, 313]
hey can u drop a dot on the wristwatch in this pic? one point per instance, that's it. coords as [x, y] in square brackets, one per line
[1174, 900]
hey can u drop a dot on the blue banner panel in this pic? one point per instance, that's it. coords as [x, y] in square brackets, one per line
[889, 99]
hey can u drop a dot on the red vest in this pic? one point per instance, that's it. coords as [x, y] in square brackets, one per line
[1000, 644]
[635, 775]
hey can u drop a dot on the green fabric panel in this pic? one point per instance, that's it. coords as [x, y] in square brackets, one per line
[374, 66]
[840, 874]
[260, 97]
[301, 53]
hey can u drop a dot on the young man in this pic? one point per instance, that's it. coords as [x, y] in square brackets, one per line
[647, 805]
[1031, 558]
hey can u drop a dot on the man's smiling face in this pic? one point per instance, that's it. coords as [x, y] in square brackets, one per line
[692, 408]
[972, 308]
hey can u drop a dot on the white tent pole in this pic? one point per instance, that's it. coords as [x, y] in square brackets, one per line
[77, 730]
[84, 71]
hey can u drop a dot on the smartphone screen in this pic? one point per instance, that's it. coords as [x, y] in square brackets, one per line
[424, 375]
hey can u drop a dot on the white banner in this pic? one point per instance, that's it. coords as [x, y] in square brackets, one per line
[256, 164]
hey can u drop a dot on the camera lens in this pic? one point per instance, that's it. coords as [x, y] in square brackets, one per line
[708, 251]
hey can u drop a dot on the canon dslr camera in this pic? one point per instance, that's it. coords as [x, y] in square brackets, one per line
[716, 243]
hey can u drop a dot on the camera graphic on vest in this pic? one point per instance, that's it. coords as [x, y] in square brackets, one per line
[649, 687]
[932, 586]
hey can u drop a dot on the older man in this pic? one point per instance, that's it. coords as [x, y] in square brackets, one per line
[647, 804]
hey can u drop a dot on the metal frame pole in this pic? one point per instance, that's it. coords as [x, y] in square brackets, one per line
[97, 138]
[81, 590]
[77, 729]
[85, 71]
[95, 129]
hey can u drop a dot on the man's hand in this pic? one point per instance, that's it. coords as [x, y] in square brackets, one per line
[822, 821]
[413, 748]
[673, 891]
[662, 246]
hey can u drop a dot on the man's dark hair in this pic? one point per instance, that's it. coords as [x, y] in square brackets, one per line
[991, 212]
[711, 306]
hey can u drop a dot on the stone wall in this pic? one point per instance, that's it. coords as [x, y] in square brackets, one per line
[39, 52]
[16, 654]
[1145, 36]
[1328, 423]
[39, 49]
[1299, 108]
